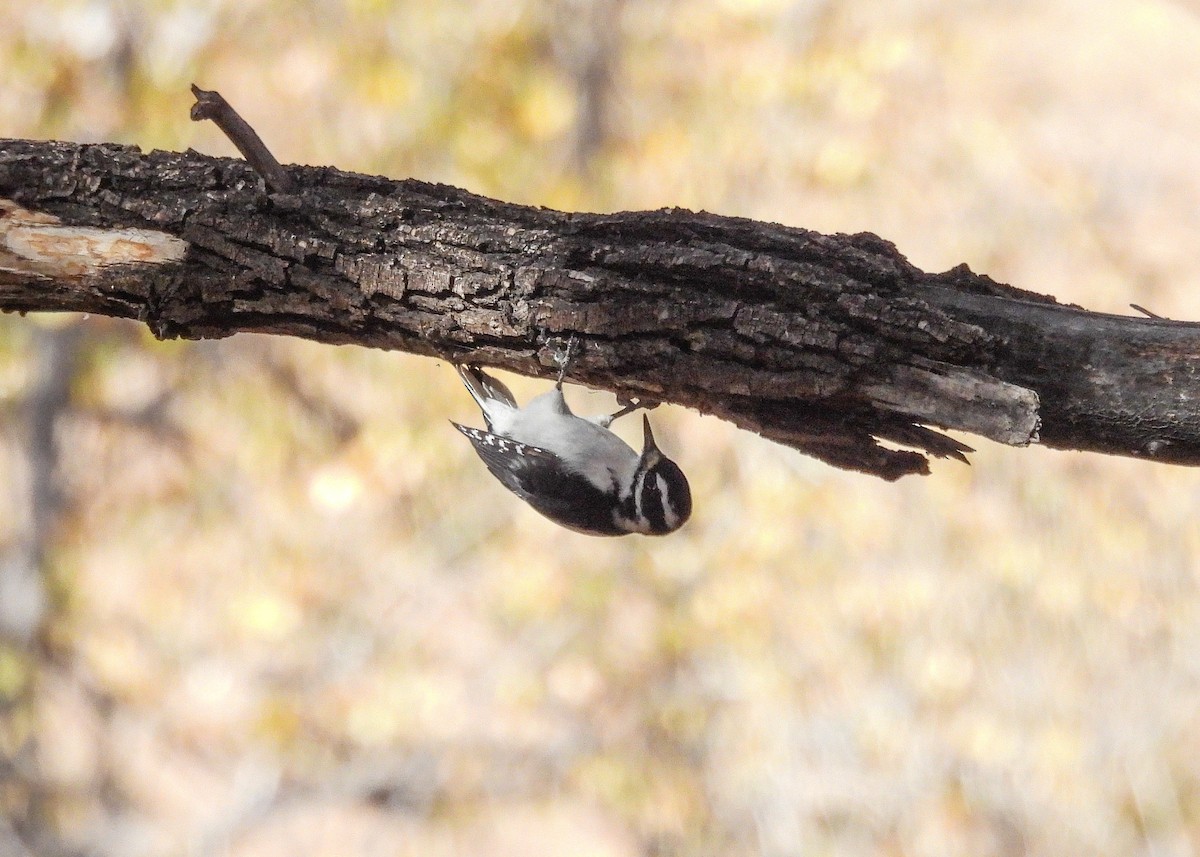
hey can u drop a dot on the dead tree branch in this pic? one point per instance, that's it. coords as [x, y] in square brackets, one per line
[827, 343]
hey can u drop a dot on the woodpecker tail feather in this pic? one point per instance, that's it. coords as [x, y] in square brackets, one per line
[484, 389]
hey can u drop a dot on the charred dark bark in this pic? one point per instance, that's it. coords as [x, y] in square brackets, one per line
[827, 343]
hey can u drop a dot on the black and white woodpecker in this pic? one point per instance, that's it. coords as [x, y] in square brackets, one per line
[573, 469]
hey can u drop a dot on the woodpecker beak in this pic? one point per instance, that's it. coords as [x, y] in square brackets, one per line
[649, 447]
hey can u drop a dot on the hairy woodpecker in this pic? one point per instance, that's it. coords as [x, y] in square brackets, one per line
[573, 469]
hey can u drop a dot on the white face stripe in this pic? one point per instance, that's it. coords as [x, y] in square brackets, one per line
[672, 519]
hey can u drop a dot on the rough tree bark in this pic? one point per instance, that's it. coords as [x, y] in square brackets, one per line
[827, 343]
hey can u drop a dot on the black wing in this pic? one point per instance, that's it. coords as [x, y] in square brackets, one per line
[539, 478]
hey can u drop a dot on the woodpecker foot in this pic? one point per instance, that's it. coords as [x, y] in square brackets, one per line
[628, 406]
[565, 357]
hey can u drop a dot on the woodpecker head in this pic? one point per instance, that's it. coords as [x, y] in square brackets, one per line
[662, 500]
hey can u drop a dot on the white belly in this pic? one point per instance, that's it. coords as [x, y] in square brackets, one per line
[606, 460]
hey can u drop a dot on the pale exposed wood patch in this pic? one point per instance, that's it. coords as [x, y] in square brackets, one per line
[33, 242]
[966, 399]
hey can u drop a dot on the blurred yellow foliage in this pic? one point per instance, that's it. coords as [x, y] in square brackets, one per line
[14, 672]
[292, 613]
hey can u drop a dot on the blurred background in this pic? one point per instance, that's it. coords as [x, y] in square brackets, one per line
[258, 598]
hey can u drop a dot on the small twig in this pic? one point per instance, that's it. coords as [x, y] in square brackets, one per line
[1147, 312]
[211, 105]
